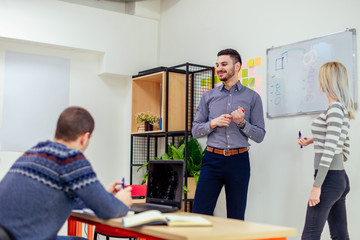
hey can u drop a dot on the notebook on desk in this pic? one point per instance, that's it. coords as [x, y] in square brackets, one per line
[164, 187]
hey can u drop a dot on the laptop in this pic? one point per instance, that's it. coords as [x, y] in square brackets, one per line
[164, 187]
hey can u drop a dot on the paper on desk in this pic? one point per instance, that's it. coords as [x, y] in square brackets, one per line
[92, 213]
[84, 210]
[185, 220]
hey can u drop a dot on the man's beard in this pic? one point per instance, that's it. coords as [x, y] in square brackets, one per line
[228, 75]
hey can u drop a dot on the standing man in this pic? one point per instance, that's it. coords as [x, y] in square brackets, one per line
[228, 115]
[47, 181]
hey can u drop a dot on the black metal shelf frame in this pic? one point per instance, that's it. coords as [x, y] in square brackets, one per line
[144, 145]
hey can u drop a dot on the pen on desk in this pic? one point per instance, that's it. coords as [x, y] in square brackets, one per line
[123, 183]
[300, 137]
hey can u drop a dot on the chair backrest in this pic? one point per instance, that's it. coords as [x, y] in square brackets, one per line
[6, 234]
[138, 190]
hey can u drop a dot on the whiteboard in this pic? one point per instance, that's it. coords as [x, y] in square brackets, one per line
[292, 73]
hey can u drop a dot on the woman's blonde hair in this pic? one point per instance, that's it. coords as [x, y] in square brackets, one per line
[333, 80]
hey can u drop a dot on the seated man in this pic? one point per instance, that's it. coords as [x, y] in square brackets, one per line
[44, 184]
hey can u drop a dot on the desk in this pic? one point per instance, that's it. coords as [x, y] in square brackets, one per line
[222, 229]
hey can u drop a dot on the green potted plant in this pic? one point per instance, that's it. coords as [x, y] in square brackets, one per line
[195, 155]
[148, 118]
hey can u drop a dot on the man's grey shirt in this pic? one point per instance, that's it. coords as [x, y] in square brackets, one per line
[218, 101]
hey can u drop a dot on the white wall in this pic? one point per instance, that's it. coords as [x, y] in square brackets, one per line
[117, 46]
[281, 174]
[129, 43]
[105, 49]
[190, 31]
[105, 98]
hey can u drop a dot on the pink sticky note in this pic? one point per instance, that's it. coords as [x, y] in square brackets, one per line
[258, 80]
[258, 90]
[244, 63]
[251, 72]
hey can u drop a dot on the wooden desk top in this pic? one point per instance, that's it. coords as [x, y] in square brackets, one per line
[222, 229]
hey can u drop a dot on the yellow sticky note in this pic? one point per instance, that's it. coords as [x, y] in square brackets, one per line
[244, 73]
[245, 82]
[257, 61]
[251, 63]
[251, 81]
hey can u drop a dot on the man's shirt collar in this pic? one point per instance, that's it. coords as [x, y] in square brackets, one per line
[237, 86]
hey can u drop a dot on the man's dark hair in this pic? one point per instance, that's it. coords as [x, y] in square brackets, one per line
[73, 122]
[235, 56]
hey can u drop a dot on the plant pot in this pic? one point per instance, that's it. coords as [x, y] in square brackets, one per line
[148, 126]
[191, 186]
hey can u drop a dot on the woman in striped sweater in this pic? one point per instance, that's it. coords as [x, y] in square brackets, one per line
[331, 144]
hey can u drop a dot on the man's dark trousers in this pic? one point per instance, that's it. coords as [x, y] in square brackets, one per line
[218, 170]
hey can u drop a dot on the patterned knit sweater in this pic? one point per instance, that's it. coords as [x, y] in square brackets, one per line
[42, 187]
[331, 141]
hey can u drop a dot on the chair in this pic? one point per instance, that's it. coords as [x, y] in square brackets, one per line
[6, 234]
[108, 231]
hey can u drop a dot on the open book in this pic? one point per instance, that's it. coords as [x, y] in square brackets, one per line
[155, 217]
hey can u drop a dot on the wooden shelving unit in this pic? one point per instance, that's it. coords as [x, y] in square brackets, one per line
[149, 94]
[173, 94]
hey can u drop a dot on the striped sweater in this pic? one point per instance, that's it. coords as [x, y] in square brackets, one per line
[43, 186]
[331, 140]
